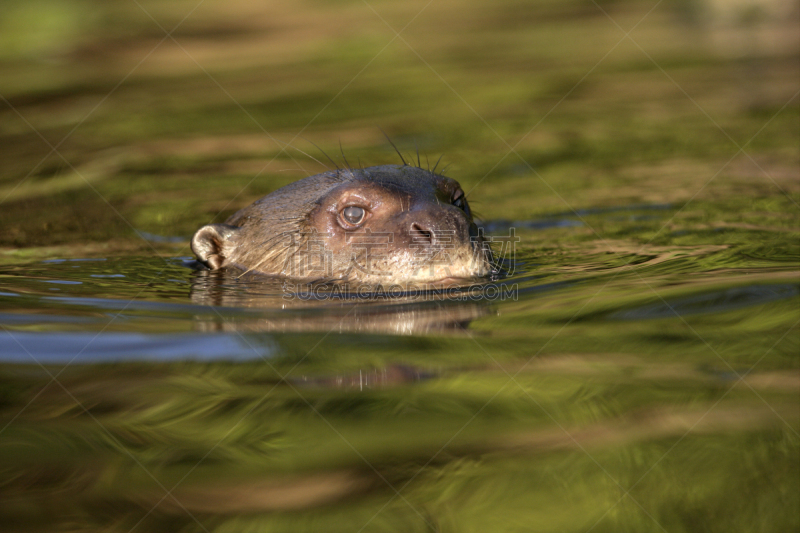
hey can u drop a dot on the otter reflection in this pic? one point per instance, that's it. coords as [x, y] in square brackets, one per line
[276, 305]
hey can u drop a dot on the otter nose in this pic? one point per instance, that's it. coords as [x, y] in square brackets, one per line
[422, 234]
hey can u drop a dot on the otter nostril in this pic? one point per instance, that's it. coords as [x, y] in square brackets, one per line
[421, 235]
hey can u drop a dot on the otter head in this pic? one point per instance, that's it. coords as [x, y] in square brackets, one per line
[386, 225]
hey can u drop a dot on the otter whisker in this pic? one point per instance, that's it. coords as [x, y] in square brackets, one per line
[267, 256]
[278, 236]
[309, 156]
[323, 153]
[395, 147]
[437, 164]
[268, 242]
[343, 157]
[289, 145]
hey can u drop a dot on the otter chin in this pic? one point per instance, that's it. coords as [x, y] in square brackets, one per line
[383, 225]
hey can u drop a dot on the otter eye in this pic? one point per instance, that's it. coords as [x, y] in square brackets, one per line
[353, 215]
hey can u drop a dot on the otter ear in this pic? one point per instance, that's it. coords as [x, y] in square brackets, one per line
[208, 243]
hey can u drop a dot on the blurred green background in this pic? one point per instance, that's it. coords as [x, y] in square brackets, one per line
[169, 114]
[664, 134]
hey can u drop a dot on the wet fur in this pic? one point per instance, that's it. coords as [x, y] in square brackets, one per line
[285, 215]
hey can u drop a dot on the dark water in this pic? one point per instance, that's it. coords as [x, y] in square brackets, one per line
[637, 370]
[219, 403]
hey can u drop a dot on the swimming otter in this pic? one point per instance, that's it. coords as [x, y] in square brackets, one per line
[391, 224]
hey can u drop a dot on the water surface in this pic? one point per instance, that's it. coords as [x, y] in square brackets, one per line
[636, 369]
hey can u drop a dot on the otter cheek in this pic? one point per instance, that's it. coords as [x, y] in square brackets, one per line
[325, 232]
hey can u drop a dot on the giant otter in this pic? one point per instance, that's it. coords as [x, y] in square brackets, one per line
[383, 225]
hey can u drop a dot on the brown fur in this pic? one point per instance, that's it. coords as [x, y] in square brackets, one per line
[412, 232]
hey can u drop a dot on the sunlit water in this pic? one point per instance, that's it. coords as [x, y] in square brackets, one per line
[637, 370]
[653, 381]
